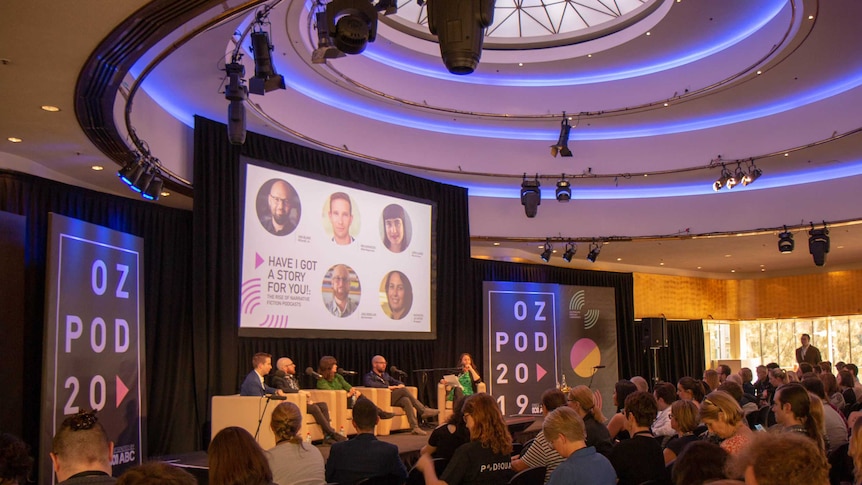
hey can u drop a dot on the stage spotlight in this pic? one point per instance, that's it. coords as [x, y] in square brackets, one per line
[564, 190]
[460, 30]
[352, 24]
[737, 178]
[562, 145]
[571, 249]
[722, 180]
[785, 242]
[265, 78]
[325, 50]
[753, 174]
[236, 93]
[154, 190]
[531, 196]
[595, 249]
[549, 250]
[132, 171]
[818, 244]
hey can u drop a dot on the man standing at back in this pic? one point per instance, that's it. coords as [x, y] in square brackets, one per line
[81, 451]
[807, 352]
[253, 384]
[364, 456]
[401, 397]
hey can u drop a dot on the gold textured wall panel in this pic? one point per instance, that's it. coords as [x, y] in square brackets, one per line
[681, 297]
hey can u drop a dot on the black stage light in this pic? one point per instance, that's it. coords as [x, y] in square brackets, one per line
[546, 254]
[753, 174]
[325, 50]
[785, 242]
[562, 145]
[132, 172]
[265, 78]
[564, 190]
[460, 29]
[154, 190]
[352, 24]
[818, 244]
[236, 93]
[144, 181]
[722, 180]
[737, 178]
[531, 196]
[595, 249]
[571, 249]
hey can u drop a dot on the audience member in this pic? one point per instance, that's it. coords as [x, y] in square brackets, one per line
[762, 384]
[690, 389]
[235, 458]
[781, 459]
[835, 427]
[640, 383]
[285, 379]
[638, 459]
[792, 407]
[331, 380]
[253, 385]
[450, 435]
[15, 460]
[582, 401]
[825, 366]
[845, 386]
[747, 403]
[400, 395]
[291, 460]
[804, 368]
[855, 451]
[617, 424]
[156, 473]
[830, 387]
[364, 456]
[710, 380]
[684, 420]
[857, 387]
[665, 395]
[699, 463]
[747, 386]
[564, 429]
[777, 378]
[723, 372]
[723, 417]
[81, 451]
[486, 459]
[542, 452]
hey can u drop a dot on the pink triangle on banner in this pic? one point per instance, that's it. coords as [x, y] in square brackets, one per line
[257, 260]
[122, 390]
[540, 372]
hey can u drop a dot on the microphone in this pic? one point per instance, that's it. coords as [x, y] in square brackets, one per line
[346, 372]
[276, 397]
[599, 366]
[309, 371]
[396, 370]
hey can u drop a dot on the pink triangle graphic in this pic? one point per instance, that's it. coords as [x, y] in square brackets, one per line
[257, 260]
[540, 372]
[122, 390]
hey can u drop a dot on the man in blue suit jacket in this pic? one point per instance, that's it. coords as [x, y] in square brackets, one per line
[253, 384]
[364, 456]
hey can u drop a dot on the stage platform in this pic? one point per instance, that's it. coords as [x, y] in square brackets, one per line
[521, 427]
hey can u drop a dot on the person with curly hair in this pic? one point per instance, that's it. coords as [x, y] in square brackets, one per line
[781, 459]
[81, 451]
[291, 460]
[234, 458]
[486, 458]
[15, 460]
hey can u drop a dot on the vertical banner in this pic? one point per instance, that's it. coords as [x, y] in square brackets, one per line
[94, 337]
[539, 336]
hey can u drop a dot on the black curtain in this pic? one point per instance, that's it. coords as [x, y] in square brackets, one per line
[168, 311]
[222, 358]
[683, 356]
[628, 337]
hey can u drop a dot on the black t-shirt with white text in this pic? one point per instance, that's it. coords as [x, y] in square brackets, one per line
[473, 464]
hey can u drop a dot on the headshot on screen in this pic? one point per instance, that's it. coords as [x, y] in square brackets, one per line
[341, 290]
[395, 226]
[340, 215]
[398, 295]
[278, 207]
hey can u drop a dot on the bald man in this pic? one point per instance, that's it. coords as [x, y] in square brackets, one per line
[401, 397]
[279, 202]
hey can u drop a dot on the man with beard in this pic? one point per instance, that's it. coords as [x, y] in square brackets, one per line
[341, 305]
[278, 221]
[401, 397]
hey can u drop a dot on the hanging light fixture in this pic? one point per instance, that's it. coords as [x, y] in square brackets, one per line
[531, 196]
[722, 180]
[595, 249]
[571, 249]
[785, 242]
[753, 174]
[548, 250]
[818, 244]
[562, 145]
[564, 190]
[736, 178]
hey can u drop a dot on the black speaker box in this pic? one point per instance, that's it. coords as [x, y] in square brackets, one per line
[654, 332]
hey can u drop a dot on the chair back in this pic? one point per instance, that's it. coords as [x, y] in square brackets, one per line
[530, 476]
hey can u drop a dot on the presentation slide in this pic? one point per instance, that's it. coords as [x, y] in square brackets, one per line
[538, 336]
[326, 259]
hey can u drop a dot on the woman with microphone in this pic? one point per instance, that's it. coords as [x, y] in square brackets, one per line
[468, 377]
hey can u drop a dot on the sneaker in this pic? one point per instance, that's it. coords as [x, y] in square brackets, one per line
[385, 414]
[418, 431]
[429, 413]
